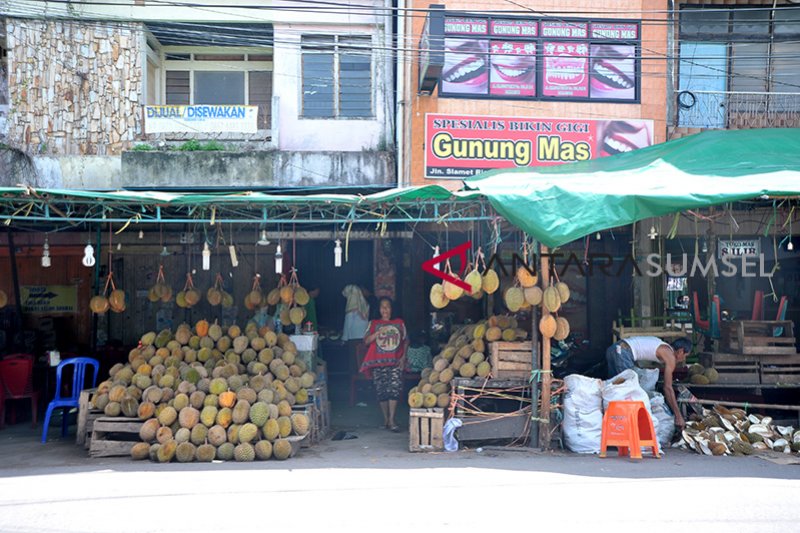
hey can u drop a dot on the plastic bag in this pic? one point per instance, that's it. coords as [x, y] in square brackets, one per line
[449, 434]
[583, 415]
[648, 378]
[625, 387]
[666, 420]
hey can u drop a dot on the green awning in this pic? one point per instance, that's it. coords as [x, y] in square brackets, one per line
[409, 204]
[560, 204]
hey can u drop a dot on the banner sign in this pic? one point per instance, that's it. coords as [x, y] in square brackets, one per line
[201, 118]
[460, 146]
[738, 247]
[578, 60]
[44, 299]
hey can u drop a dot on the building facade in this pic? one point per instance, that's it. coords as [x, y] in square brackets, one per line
[96, 95]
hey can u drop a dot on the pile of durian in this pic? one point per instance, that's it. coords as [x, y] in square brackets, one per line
[723, 431]
[464, 356]
[211, 393]
[699, 375]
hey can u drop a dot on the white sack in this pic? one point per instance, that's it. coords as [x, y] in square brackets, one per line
[625, 387]
[666, 420]
[583, 415]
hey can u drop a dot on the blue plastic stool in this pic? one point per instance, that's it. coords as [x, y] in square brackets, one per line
[67, 403]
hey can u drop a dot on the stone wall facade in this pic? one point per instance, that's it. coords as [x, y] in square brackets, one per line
[75, 88]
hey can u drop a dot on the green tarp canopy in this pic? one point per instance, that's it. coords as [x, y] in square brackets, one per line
[560, 204]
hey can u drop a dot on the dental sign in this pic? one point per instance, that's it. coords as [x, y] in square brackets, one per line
[512, 58]
[461, 146]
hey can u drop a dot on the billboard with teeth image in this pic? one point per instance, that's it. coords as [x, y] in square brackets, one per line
[513, 71]
[466, 69]
[565, 69]
[462, 146]
[613, 71]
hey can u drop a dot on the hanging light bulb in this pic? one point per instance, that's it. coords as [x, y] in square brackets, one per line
[263, 241]
[119, 246]
[88, 256]
[278, 260]
[437, 266]
[597, 235]
[653, 233]
[789, 247]
[337, 254]
[705, 245]
[46, 254]
[206, 257]
[141, 235]
[164, 252]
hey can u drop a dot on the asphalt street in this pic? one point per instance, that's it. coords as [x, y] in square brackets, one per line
[372, 483]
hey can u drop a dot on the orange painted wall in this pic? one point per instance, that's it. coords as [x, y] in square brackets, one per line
[653, 104]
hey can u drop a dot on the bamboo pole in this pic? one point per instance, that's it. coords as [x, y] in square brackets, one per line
[544, 416]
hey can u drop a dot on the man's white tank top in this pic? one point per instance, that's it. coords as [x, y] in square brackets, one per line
[644, 348]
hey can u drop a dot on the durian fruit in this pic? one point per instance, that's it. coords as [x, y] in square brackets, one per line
[699, 379]
[184, 452]
[164, 434]
[563, 291]
[429, 400]
[271, 429]
[217, 435]
[437, 296]
[490, 282]
[208, 415]
[263, 450]
[284, 426]
[514, 298]
[711, 375]
[282, 449]
[244, 452]
[112, 409]
[182, 435]
[148, 430]
[467, 370]
[696, 369]
[205, 453]
[548, 326]
[483, 369]
[188, 417]
[526, 278]
[167, 451]
[474, 280]
[533, 295]
[452, 291]
[168, 416]
[415, 400]
[198, 435]
[225, 451]
[443, 400]
[562, 329]
[551, 299]
[300, 424]
[259, 413]
[248, 432]
[140, 451]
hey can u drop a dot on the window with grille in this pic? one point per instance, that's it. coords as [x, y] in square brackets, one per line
[337, 77]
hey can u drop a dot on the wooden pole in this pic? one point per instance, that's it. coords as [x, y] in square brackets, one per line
[544, 415]
[533, 440]
[12, 256]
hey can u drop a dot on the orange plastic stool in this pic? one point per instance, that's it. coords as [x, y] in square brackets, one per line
[628, 426]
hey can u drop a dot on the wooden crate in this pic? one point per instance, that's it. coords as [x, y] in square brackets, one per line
[318, 395]
[510, 426]
[733, 369]
[114, 436]
[783, 369]
[758, 337]
[504, 395]
[511, 359]
[86, 415]
[425, 430]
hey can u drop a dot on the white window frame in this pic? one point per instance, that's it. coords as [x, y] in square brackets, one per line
[337, 87]
[193, 65]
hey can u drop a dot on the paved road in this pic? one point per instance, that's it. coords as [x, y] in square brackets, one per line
[373, 484]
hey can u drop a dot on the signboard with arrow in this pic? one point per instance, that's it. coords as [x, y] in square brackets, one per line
[46, 299]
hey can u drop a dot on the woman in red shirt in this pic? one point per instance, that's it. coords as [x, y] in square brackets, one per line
[385, 360]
